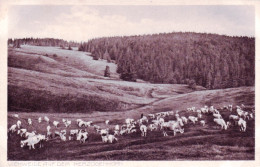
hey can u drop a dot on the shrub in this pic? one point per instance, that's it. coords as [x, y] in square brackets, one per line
[107, 72]
[192, 84]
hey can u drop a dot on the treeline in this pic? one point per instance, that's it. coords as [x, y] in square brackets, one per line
[42, 42]
[210, 60]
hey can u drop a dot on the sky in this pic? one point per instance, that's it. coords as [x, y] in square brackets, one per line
[81, 23]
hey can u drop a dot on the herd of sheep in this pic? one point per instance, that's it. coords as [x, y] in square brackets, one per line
[166, 122]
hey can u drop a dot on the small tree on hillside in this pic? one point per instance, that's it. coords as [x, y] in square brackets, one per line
[95, 57]
[192, 84]
[107, 72]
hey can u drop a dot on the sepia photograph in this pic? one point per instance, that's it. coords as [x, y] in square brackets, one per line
[131, 82]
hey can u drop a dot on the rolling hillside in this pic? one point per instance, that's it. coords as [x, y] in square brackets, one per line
[49, 81]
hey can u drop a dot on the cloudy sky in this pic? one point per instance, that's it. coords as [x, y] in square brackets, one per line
[81, 23]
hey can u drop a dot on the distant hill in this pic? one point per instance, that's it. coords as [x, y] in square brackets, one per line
[210, 60]
[43, 42]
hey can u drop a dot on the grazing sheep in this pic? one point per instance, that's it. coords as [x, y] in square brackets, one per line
[233, 117]
[48, 135]
[84, 123]
[64, 132]
[18, 123]
[97, 128]
[176, 127]
[111, 138]
[21, 132]
[40, 119]
[221, 122]
[116, 132]
[144, 119]
[217, 116]
[129, 121]
[193, 119]
[199, 115]
[12, 128]
[41, 138]
[29, 134]
[151, 116]
[73, 132]
[16, 115]
[104, 139]
[161, 120]
[143, 129]
[177, 115]
[67, 123]
[251, 115]
[202, 122]
[48, 128]
[31, 141]
[123, 131]
[78, 121]
[46, 119]
[56, 123]
[130, 129]
[107, 122]
[242, 125]
[104, 132]
[29, 121]
[198, 111]
[171, 112]
[117, 127]
[230, 107]
[64, 120]
[204, 110]
[239, 112]
[153, 127]
[216, 111]
[211, 109]
[184, 119]
[82, 136]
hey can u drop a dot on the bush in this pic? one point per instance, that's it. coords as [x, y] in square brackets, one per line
[95, 57]
[192, 84]
[107, 72]
[128, 77]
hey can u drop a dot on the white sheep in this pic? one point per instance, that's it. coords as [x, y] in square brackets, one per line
[29, 121]
[193, 119]
[56, 123]
[40, 119]
[12, 128]
[19, 123]
[143, 129]
[242, 125]
[221, 122]
[202, 122]
[46, 119]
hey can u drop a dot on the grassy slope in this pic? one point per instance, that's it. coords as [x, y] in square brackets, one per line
[73, 82]
[197, 143]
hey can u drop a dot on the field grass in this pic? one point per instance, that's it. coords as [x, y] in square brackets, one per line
[69, 84]
[196, 143]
